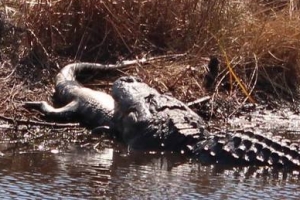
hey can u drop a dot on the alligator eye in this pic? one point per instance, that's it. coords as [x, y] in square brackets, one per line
[127, 79]
[138, 80]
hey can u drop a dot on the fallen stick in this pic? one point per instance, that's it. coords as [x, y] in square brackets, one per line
[198, 101]
[37, 123]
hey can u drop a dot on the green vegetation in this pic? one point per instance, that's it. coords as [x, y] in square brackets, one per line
[258, 42]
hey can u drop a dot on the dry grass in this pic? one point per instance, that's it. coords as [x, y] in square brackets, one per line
[259, 40]
[96, 30]
[269, 45]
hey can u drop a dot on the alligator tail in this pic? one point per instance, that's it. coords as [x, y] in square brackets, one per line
[65, 82]
[69, 72]
[247, 148]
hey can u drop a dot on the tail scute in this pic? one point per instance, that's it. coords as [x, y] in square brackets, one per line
[247, 148]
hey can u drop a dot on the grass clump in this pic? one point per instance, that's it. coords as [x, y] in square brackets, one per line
[269, 46]
[103, 29]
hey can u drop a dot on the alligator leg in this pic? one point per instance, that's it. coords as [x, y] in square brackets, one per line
[63, 113]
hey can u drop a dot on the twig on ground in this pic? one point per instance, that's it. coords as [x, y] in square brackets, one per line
[38, 123]
[199, 101]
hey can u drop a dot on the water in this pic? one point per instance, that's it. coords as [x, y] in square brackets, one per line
[111, 173]
[47, 163]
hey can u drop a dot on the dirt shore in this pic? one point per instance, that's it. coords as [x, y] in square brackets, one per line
[251, 77]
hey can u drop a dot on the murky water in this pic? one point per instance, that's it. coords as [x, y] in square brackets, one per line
[82, 173]
[54, 164]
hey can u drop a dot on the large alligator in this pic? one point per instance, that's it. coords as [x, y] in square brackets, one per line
[145, 119]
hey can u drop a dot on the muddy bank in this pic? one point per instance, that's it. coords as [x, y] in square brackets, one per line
[28, 68]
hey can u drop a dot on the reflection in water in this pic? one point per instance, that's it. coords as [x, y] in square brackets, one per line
[83, 173]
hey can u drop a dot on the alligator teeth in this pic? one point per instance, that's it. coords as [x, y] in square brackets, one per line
[189, 147]
[296, 162]
[212, 153]
[260, 158]
[228, 147]
[196, 136]
[289, 157]
[242, 147]
[235, 155]
[270, 162]
[280, 162]
[217, 148]
[206, 147]
[252, 149]
[247, 158]
[250, 155]
[274, 158]
[240, 152]
[247, 143]
[256, 150]
[263, 154]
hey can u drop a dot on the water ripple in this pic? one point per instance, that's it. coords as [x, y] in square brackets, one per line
[87, 174]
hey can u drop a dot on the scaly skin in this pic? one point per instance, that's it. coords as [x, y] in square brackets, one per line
[149, 120]
[93, 108]
[244, 147]
[146, 119]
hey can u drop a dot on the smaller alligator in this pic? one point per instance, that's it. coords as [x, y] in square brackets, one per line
[90, 107]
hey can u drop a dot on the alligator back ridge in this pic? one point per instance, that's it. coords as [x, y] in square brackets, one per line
[248, 147]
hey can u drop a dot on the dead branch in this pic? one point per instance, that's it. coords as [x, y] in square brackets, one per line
[37, 123]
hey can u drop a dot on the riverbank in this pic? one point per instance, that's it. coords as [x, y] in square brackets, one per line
[254, 48]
